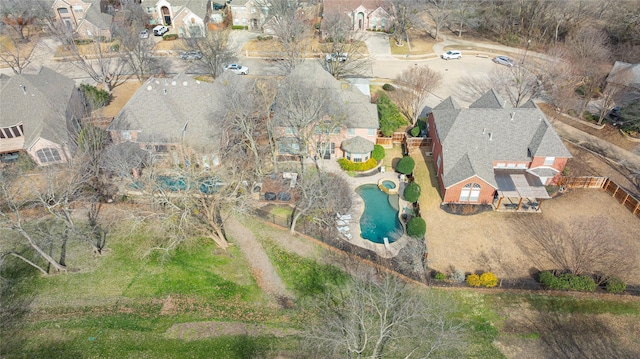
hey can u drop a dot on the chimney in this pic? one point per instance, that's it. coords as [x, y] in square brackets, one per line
[24, 89]
[490, 136]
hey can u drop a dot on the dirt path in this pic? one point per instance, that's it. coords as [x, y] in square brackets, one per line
[265, 274]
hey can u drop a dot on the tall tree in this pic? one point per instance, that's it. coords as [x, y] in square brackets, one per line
[382, 317]
[348, 46]
[215, 50]
[415, 85]
[439, 11]
[290, 25]
[21, 15]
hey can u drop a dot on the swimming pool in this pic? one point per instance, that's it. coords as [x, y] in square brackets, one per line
[380, 217]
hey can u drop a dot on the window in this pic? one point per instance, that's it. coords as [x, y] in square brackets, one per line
[236, 22]
[351, 132]
[63, 10]
[371, 131]
[336, 130]
[150, 9]
[48, 155]
[289, 130]
[548, 161]
[511, 165]
[11, 132]
[501, 165]
[522, 165]
[373, 23]
[126, 135]
[383, 23]
[253, 10]
[470, 192]
[77, 8]
[438, 164]
[244, 22]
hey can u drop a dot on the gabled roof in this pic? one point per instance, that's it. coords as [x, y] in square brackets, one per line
[173, 110]
[40, 101]
[491, 99]
[360, 112]
[333, 6]
[97, 18]
[198, 7]
[472, 139]
[625, 74]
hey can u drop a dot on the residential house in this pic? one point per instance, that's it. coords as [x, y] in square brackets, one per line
[189, 18]
[361, 14]
[40, 114]
[248, 13]
[86, 18]
[355, 135]
[168, 116]
[491, 153]
[625, 79]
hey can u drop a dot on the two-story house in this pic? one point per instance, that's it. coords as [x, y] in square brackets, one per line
[248, 13]
[353, 137]
[361, 14]
[40, 114]
[172, 115]
[189, 18]
[491, 153]
[85, 18]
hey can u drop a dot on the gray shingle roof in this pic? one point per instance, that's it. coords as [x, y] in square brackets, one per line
[97, 18]
[473, 138]
[358, 145]
[198, 7]
[40, 101]
[491, 99]
[166, 110]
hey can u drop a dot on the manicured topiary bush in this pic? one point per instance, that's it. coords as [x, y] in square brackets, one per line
[473, 280]
[406, 165]
[415, 131]
[388, 87]
[615, 285]
[411, 192]
[488, 280]
[378, 152]
[416, 227]
[439, 276]
[347, 165]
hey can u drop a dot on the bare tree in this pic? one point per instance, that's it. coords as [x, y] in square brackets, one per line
[346, 49]
[519, 83]
[439, 12]
[136, 52]
[21, 15]
[415, 85]
[585, 246]
[100, 60]
[308, 110]
[12, 55]
[462, 12]
[383, 317]
[215, 50]
[406, 15]
[321, 195]
[288, 23]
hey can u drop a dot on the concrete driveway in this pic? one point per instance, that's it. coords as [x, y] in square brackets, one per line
[378, 45]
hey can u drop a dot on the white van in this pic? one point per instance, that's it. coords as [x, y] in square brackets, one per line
[160, 30]
[452, 54]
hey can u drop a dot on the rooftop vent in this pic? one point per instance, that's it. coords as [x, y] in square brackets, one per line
[164, 91]
[490, 136]
[24, 89]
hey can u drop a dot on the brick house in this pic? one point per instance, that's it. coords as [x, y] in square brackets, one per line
[362, 14]
[248, 13]
[356, 135]
[40, 115]
[189, 18]
[167, 116]
[491, 153]
[87, 18]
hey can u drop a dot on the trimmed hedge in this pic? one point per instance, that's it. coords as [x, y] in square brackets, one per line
[411, 192]
[169, 37]
[388, 87]
[567, 281]
[239, 27]
[347, 165]
[378, 153]
[416, 227]
[615, 285]
[415, 131]
[406, 165]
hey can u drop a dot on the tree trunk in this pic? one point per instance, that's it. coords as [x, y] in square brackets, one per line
[28, 262]
[42, 253]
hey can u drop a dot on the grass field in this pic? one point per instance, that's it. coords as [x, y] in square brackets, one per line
[132, 303]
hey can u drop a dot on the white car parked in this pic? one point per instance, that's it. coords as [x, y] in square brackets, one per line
[160, 30]
[452, 54]
[237, 69]
[342, 57]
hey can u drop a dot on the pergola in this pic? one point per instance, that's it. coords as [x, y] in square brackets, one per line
[520, 185]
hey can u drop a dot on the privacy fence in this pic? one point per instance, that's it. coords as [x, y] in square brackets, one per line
[620, 194]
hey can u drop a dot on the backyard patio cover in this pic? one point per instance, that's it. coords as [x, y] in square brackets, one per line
[520, 185]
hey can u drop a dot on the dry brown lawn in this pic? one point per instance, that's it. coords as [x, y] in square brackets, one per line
[24, 48]
[121, 94]
[420, 41]
[491, 241]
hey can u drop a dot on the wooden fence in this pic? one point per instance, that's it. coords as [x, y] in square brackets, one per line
[401, 138]
[620, 194]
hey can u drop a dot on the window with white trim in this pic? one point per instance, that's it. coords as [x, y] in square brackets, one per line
[48, 155]
[351, 132]
[371, 131]
[501, 165]
[289, 130]
[470, 192]
[548, 161]
[126, 135]
[522, 165]
[77, 8]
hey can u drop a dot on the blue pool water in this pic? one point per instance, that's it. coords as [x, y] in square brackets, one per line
[380, 217]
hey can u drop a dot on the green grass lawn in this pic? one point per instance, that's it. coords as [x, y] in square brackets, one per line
[123, 304]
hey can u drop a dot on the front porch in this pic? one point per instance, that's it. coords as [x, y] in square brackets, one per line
[518, 191]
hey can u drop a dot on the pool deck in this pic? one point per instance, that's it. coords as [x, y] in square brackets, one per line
[357, 208]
